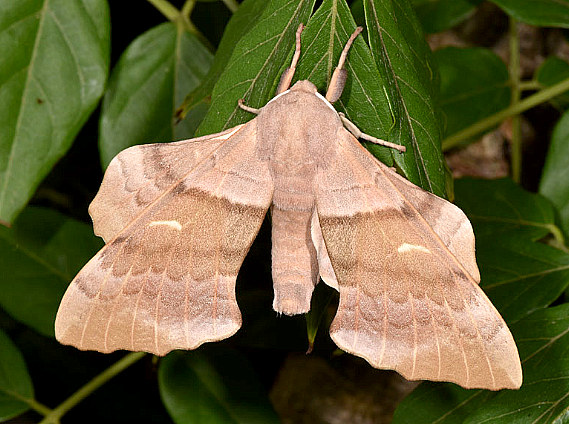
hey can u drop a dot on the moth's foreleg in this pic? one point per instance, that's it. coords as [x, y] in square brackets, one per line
[338, 80]
[351, 127]
[247, 108]
[287, 75]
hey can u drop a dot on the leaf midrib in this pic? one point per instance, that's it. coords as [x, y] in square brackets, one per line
[7, 173]
[403, 103]
[36, 258]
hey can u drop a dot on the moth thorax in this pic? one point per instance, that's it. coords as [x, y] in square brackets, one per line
[305, 86]
[296, 126]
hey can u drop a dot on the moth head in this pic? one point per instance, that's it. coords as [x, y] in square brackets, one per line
[305, 86]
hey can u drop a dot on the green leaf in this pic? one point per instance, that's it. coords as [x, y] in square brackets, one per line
[519, 274]
[15, 382]
[552, 71]
[213, 385]
[39, 256]
[244, 19]
[53, 68]
[256, 64]
[543, 341]
[363, 100]
[474, 85]
[553, 13]
[152, 77]
[405, 63]
[555, 179]
[439, 15]
[502, 208]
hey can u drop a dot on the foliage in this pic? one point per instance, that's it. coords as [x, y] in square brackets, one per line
[169, 84]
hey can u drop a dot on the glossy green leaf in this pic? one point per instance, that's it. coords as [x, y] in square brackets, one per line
[363, 100]
[519, 273]
[15, 383]
[240, 23]
[555, 178]
[543, 341]
[538, 12]
[439, 15]
[434, 15]
[405, 63]
[502, 208]
[150, 81]
[213, 385]
[552, 71]
[474, 85]
[53, 68]
[255, 66]
[39, 256]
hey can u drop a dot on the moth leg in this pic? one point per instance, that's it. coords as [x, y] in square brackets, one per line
[351, 127]
[247, 108]
[286, 77]
[338, 80]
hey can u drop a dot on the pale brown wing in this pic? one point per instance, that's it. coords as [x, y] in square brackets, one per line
[167, 280]
[140, 174]
[449, 223]
[406, 301]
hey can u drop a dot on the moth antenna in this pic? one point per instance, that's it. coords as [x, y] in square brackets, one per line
[338, 80]
[247, 108]
[287, 75]
[347, 47]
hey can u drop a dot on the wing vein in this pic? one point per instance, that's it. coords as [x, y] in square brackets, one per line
[135, 313]
[113, 307]
[436, 333]
[159, 294]
[95, 298]
[410, 296]
[449, 311]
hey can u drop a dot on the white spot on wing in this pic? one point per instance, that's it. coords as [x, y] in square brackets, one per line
[172, 224]
[406, 247]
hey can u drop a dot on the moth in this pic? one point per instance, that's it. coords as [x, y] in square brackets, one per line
[179, 218]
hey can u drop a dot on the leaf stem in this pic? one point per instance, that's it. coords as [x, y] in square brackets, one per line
[187, 8]
[55, 415]
[516, 142]
[40, 408]
[530, 85]
[182, 18]
[232, 5]
[557, 234]
[166, 8]
[493, 120]
[31, 402]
